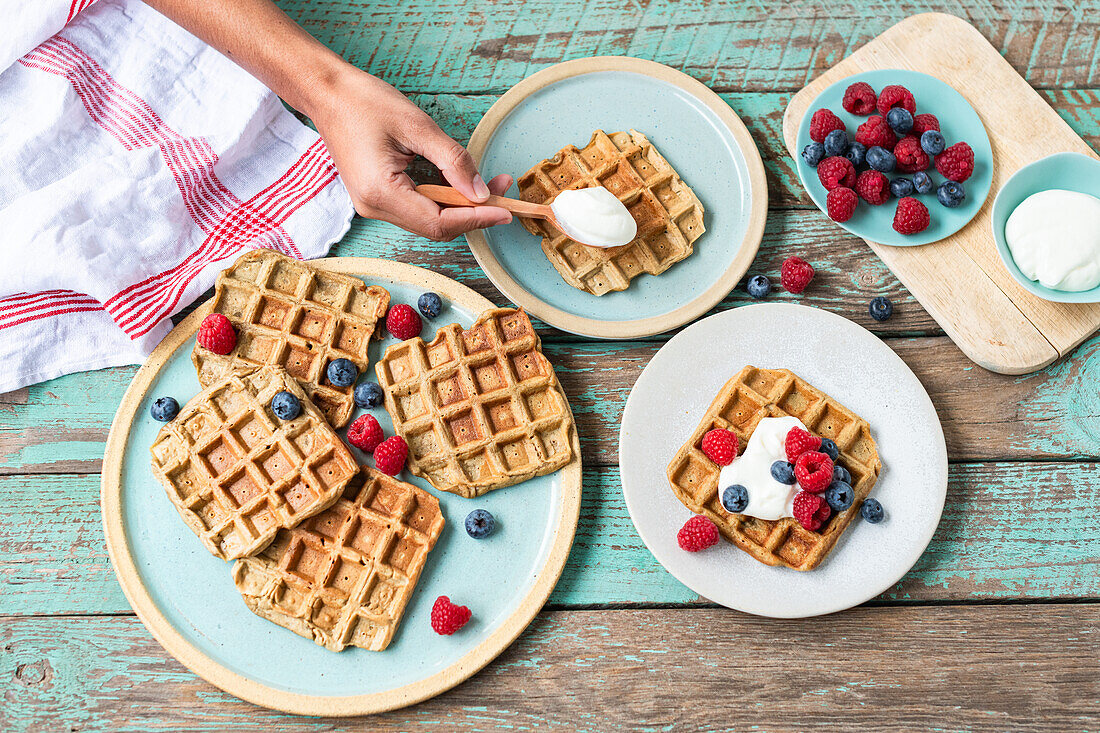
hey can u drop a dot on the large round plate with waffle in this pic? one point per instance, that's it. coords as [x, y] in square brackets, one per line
[672, 150]
[187, 599]
[855, 377]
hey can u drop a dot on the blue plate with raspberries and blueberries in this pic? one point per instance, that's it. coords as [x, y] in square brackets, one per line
[895, 157]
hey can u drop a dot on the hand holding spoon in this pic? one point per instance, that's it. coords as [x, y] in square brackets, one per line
[591, 216]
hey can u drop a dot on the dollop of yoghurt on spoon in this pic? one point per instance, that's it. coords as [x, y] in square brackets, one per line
[594, 216]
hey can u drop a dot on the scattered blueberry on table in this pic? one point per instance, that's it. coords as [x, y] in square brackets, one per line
[880, 308]
[872, 511]
[758, 286]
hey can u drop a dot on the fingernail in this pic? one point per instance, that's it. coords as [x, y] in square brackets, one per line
[480, 188]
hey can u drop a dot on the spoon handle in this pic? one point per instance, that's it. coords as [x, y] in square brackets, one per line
[451, 197]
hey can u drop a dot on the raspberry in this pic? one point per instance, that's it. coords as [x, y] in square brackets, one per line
[216, 334]
[698, 533]
[797, 442]
[448, 618]
[924, 122]
[403, 322]
[814, 471]
[365, 433]
[911, 216]
[841, 203]
[875, 131]
[720, 446]
[795, 274]
[811, 510]
[822, 123]
[896, 95]
[873, 187]
[390, 455]
[956, 163]
[860, 99]
[910, 155]
[836, 171]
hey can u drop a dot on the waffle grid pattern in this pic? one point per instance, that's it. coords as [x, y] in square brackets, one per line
[748, 397]
[298, 317]
[480, 409]
[667, 211]
[345, 576]
[236, 473]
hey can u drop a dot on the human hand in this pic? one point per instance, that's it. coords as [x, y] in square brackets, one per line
[373, 132]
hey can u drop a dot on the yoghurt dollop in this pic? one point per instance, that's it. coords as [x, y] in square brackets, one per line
[768, 499]
[594, 216]
[1054, 238]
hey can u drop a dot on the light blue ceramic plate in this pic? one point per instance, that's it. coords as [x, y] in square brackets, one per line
[187, 599]
[958, 123]
[703, 140]
[1067, 171]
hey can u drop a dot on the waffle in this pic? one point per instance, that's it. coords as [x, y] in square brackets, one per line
[751, 395]
[299, 317]
[237, 473]
[345, 576]
[667, 211]
[480, 409]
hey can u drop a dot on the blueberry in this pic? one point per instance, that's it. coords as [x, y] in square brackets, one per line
[783, 472]
[922, 182]
[871, 511]
[813, 154]
[900, 120]
[758, 286]
[950, 194]
[286, 406]
[840, 473]
[735, 498]
[480, 524]
[857, 153]
[881, 159]
[429, 305]
[836, 143]
[901, 187]
[368, 394]
[932, 142]
[342, 372]
[880, 308]
[829, 448]
[839, 495]
[164, 409]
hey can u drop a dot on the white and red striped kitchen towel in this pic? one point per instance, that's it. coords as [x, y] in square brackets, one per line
[135, 163]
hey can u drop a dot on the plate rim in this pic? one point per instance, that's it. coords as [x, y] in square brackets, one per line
[240, 686]
[626, 329]
[799, 164]
[831, 609]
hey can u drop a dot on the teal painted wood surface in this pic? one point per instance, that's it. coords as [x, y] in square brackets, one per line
[997, 668]
[1010, 532]
[967, 640]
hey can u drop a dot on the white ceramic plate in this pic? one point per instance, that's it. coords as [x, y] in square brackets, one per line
[845, 361]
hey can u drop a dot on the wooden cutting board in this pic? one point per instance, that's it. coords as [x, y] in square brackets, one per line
[961, 280]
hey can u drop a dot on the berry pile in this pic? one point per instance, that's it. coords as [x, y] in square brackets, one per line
[893, 139]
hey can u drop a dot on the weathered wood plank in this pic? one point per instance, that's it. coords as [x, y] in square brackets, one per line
[454, 46]
[1010, 531]
[61, 426]
[994, 668]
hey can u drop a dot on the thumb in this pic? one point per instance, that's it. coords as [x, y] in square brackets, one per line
[456, 164]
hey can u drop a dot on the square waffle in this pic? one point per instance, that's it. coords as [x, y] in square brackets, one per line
[668, 213]
[480, 409]
[236, 473]
[748, 397]
[345, 576]
[299, 317]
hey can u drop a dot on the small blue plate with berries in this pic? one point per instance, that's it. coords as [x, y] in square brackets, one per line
[895, 157]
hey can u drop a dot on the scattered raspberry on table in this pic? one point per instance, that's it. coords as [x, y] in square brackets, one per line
[795, 274]
[698, 533]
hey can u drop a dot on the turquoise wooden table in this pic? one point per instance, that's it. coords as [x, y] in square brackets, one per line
[996, 628]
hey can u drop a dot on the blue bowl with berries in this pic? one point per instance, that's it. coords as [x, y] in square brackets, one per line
[881, 159]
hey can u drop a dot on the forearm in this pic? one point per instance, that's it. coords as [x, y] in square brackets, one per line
[260, 38]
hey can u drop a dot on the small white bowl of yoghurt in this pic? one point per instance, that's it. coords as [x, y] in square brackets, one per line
[1046, 223]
